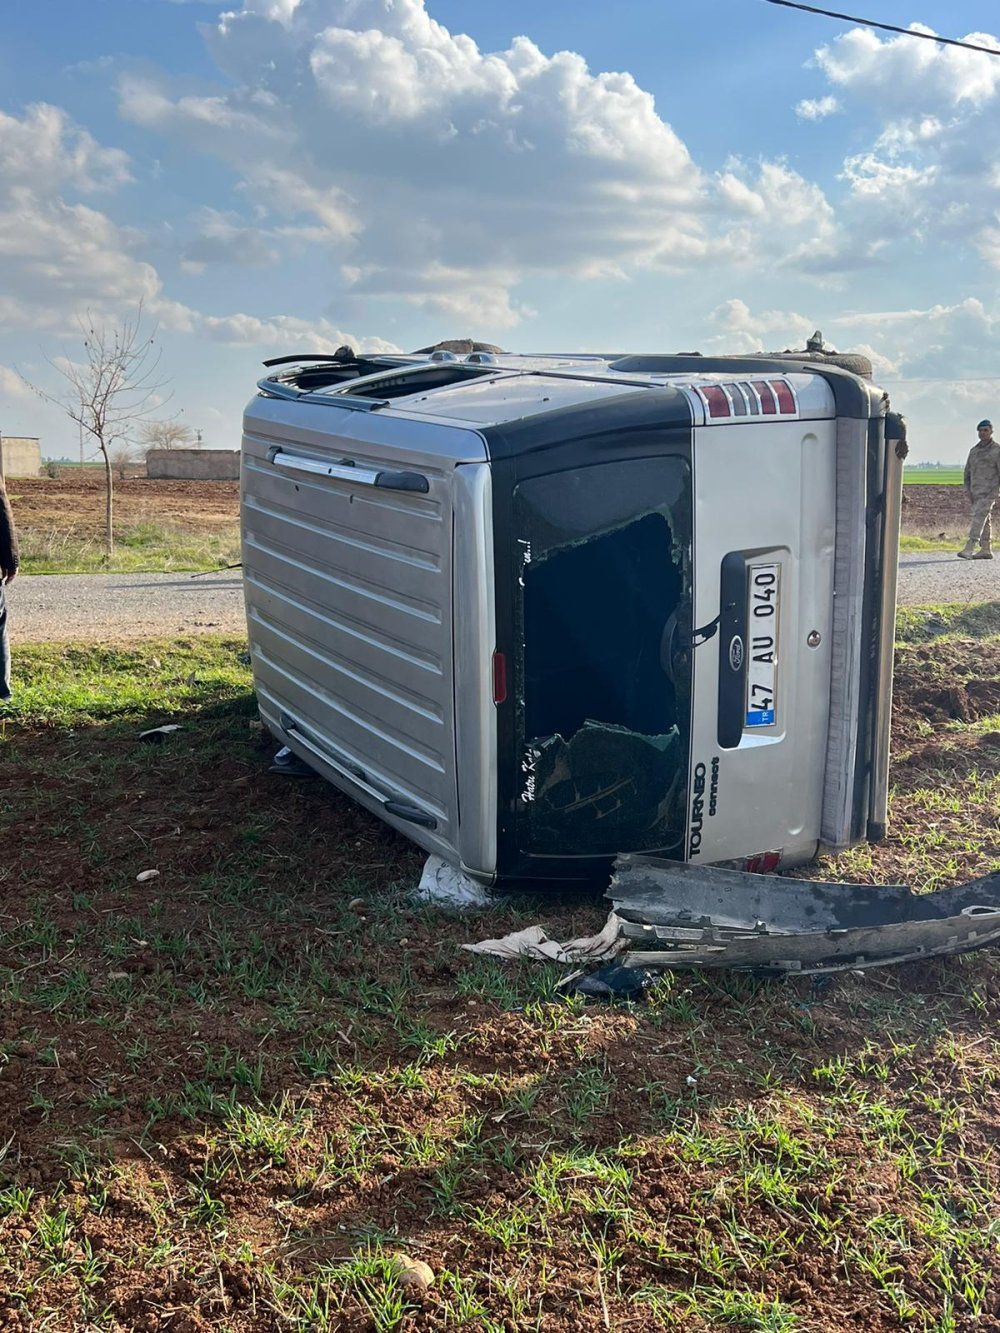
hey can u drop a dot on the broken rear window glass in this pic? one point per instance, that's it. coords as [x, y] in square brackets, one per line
[604, 697]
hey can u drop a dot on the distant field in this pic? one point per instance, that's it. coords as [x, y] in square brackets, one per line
[159, 525]
[933, 476]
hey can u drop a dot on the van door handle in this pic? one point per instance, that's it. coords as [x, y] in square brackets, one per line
[732, 650]
[347, 470]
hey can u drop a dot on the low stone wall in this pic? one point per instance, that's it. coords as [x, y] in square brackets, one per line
[193, 464]
[21, 456]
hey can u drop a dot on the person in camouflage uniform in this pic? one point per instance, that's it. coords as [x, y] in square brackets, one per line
[982, 485]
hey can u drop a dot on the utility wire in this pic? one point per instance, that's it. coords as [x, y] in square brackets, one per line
[886, 27]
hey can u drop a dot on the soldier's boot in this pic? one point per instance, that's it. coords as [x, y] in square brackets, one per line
[968, 551]
[985, 552]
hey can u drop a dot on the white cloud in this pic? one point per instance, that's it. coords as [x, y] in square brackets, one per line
[932, 170]
[938, 342]
[937, 362]
[60, 257]
[224, 238]
[285, 333]
[12, 386]
[744, 330]
[441, 175]
[45, 150]
[906, 76]
[817, 108]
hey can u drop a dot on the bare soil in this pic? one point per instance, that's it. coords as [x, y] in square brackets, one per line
[75, 503]
[937, 511]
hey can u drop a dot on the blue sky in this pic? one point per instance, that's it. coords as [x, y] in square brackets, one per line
[275, 176]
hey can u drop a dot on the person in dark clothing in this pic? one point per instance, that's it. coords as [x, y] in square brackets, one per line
[8, 569]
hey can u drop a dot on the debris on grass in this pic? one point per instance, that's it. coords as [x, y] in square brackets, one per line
[611, 982]
[533, 942]
[289, 765]
[157, 735]
[447, 886]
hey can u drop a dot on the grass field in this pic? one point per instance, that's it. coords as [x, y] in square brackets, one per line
[142, 548]
[933, 476]
[909, 541]
[230, 1093]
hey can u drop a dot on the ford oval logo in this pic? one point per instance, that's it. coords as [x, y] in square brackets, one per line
[736, 652]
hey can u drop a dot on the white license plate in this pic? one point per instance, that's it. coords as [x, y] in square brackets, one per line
[763, 598]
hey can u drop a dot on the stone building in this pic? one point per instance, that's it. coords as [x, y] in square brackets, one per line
[20, 456]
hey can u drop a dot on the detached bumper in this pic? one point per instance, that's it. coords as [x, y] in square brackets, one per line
[679, 916]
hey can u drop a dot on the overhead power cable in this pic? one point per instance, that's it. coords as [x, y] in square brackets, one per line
[886, 27]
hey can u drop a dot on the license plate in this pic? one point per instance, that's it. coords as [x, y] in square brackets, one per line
[763, 598]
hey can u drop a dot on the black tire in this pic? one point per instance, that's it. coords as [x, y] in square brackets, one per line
[460, 346]
[853, 361]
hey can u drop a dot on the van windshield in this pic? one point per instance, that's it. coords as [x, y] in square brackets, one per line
[605, 625]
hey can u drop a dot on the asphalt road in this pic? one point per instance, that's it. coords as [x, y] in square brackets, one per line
[928, 578]
[49, 607]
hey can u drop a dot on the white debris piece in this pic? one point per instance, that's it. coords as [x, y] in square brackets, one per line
[450, 887]
[144, 876]
[156, 735]
[533, 942]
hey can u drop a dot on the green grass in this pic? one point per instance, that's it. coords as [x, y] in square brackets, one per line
[909, 541]
[69, 686]
[143, 548]
[926, 624]
[232, 1101]
[933, 476]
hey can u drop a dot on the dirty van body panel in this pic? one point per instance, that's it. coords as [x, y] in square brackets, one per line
[765, 536]
[350, 602]
[592, 527]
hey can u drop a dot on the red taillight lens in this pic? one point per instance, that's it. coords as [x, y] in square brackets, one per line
[784, 395]
[767, 404]
[764, 863]
[499, 678]
[718, 403]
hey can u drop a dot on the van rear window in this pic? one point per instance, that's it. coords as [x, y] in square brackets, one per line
[604, 698]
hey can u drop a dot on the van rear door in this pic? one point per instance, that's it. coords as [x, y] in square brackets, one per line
[764, 463]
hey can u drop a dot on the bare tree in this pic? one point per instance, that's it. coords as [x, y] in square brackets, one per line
[110, 392]
[167, 435]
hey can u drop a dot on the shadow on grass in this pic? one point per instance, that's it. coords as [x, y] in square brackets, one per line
[980, 620]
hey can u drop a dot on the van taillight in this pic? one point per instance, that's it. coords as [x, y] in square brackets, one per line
[764, 863]
[499, 678]
[717, 399]
[783, 392]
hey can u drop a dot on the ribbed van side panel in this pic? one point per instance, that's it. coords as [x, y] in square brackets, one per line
[349, 610]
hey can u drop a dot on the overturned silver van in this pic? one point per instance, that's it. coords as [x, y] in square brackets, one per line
[537, 611]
